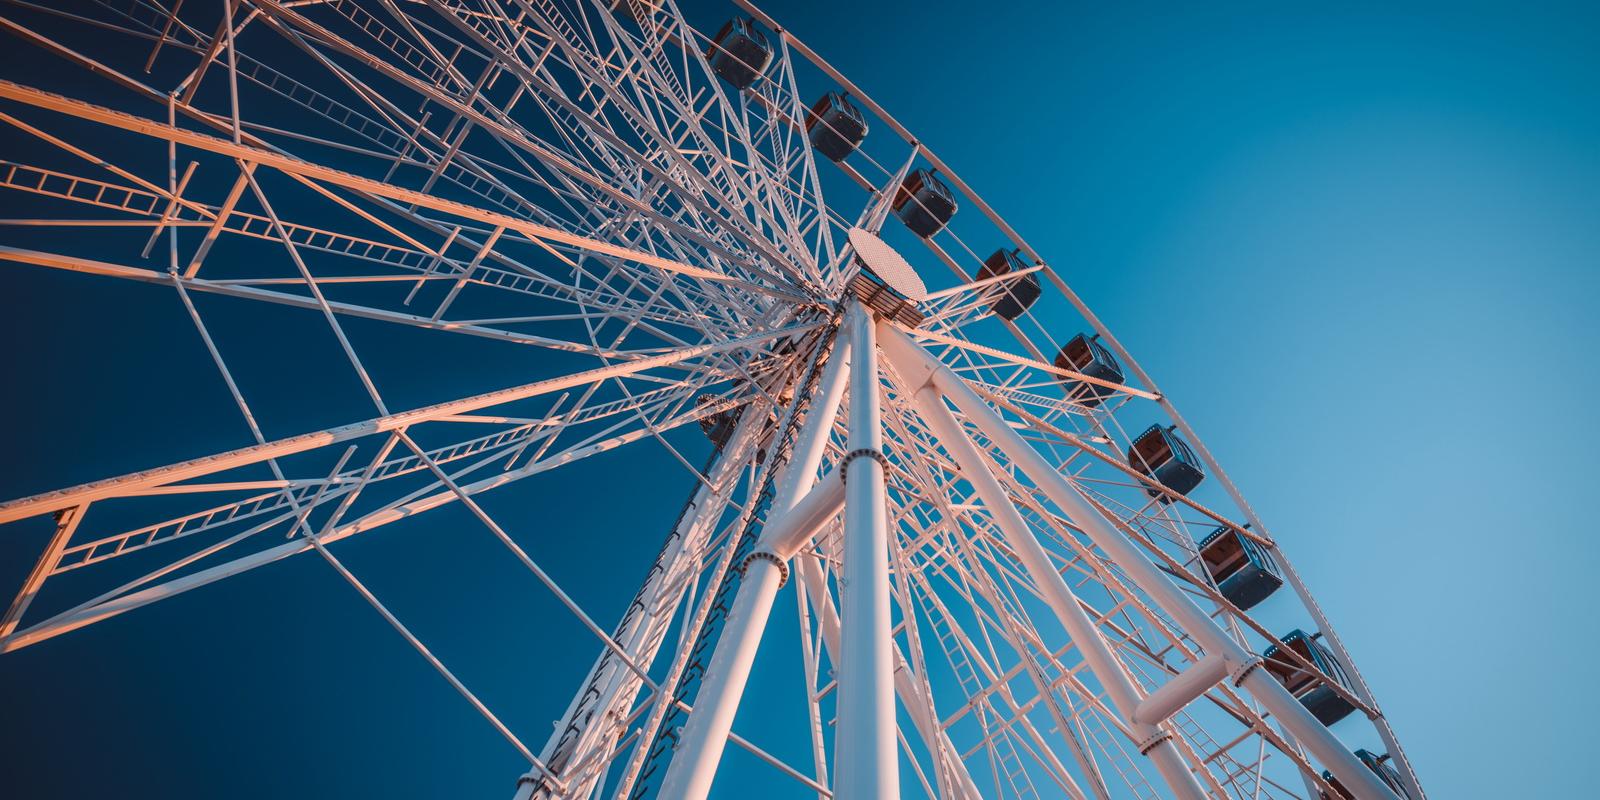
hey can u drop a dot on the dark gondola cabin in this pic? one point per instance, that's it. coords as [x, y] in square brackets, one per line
[1160, 454]
[1318, 697]
[1009, 298]
[1087, 356]
[739, 53]
[1244, 570]
[1379, 766]
[835, 126]
[924, 203]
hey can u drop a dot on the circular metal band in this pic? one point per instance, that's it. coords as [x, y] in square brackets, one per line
[762, 555]
[1244, 670]
[534, 778]
[1155, 738]
[844, 465]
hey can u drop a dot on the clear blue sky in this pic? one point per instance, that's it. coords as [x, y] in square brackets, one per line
[1359, 246]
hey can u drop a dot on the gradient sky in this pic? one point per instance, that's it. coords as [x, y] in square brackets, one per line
[1359, 247]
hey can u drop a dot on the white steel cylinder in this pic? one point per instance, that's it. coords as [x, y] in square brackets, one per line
[705, 734]
[1311, 733]
[801, 471]
[786, 535]
[919, 707]
[865, 762]
[1056, 593]
[642, 629]
[1181, 690]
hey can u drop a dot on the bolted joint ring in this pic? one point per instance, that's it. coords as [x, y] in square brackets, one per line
[1152, 740]
[537, 780]
[1243, 670]
[844, 465]
[762, 555]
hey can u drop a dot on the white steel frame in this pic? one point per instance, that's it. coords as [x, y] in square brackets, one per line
[1003, 604]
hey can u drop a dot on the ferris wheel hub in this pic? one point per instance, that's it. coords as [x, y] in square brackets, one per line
[887, 263]
[887, 284]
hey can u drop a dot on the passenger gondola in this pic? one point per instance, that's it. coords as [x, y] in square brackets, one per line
[1014, 296]
[739, 53]
[924, 203]
[835, 126]
[1244, 570]
[1379, 766]
[1317, 696]
[1160, 454]
[1087, 356]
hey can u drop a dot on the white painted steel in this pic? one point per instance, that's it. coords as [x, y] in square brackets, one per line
[785, 535]
[644, 631]
[1266, 689]
[794, 520]
[1181, 690]
[575, 177]
[700, 745]
[867, 767]
[1111, 674]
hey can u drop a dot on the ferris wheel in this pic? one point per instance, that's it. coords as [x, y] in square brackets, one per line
[1017, 571]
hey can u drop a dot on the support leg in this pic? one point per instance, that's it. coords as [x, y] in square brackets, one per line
[865, 758]
[923, 715]
[589, 722]
[921, 368]
[1155, 741]
[705, 735]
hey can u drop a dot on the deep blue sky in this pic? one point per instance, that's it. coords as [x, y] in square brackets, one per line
[1357, 246]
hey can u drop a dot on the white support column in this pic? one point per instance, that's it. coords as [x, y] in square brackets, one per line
[923, 715]
[705, 734]
[791, 522]
[919, 368]
[801, 472]
[589, 723]
[1153, 740]
[866, 764]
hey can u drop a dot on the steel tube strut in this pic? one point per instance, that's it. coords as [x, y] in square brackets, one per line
[705, 735]
[1125, 698]
[794, 520]
[923, 715]
[865, 761]
[590, 722]
[1183, 689]
[920, 368]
